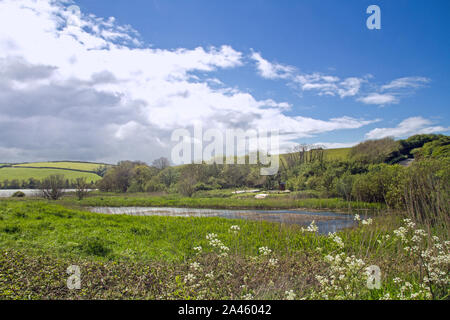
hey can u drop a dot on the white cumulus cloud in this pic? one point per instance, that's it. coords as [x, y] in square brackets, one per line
[77, 86]
[406, 128]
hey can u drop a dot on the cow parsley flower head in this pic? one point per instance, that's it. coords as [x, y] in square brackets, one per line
[290, 295]
[265, 251]
[189, 278]
[312, 227]
[273, 262]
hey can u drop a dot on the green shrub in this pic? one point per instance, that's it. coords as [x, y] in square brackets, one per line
[11, 229]
[18, 194]
[95, 246]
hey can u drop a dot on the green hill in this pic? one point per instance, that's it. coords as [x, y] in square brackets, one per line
[83, 166]
[39, 170]
[337, 154]
[333, 154]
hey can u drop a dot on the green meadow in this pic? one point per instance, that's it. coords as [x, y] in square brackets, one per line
[23, 174]
[129, 257]
[84, 166]
[234, 202]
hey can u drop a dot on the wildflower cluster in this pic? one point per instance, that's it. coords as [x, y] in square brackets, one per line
[366, 222]
[336, 239]
[407, 291]
[273, 262]
[216, 243]
[433, 256]
[189, 278]
[290, 295]
[198, 249]
[265, 251]
[311, 228]
[195, 266]
[344, 278]
[235, 229]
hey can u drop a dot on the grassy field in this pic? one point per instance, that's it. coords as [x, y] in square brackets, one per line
[84, 166]
[337, 154]
[126, 257]
[22, 174]
[51, 228]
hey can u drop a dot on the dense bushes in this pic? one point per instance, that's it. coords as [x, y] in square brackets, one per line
[365, 176]
[375, 151]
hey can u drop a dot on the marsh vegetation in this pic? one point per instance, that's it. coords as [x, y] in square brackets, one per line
[400, 225]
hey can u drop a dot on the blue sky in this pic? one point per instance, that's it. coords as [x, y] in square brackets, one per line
[324, 36]
[316, 56]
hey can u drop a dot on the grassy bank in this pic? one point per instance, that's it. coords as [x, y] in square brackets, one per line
[48, 228]
[273, 202]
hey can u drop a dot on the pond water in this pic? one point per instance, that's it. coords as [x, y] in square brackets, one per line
[28, 192]
[326, 221]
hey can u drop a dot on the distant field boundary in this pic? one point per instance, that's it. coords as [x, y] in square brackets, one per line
[70, 161]
[53, 168]
[81, 167]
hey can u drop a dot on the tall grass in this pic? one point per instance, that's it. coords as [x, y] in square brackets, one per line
[427, 193]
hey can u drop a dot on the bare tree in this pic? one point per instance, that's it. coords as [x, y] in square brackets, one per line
[161, 163]
[52, 187]
[82, 188]
[188, 180]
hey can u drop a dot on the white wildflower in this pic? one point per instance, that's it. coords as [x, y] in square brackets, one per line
[189, 278]
[273, 262]
[265, 251]
[290, 295]
[248, 296]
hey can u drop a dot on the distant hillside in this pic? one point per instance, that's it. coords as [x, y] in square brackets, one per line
[83, 166]
[39, 170]
[337, 154]
[333, 154]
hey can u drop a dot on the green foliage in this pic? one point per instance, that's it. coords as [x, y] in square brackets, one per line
[417, 141]
[436, 149]
[119, 177]
[95, 246]
[375, 151]
[18, 194]
[377, 183]
[17, 177]
[125, 257]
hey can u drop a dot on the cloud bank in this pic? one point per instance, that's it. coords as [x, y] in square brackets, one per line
[77, 86]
